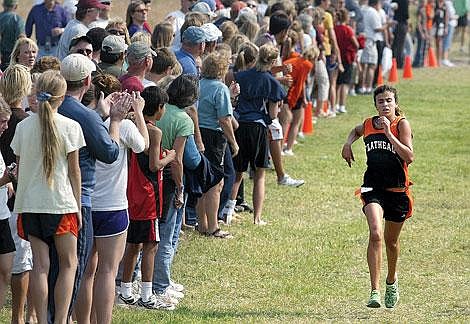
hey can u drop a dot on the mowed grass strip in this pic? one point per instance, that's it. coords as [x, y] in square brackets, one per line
[309, 263]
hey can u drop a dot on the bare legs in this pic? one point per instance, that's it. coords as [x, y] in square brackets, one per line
[374, 214]
[66, 245]
[294, 127]
[258, 193]
[110, 251]
[6, 262]
[207, 209]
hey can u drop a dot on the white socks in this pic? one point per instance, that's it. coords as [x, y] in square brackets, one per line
[146, 291]
[126, 289]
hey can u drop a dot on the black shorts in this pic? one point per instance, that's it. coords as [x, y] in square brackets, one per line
[397, 206]
[144, 231]
[46, 226]
[345, 77]
[253, 142]
[462, 21]
[214, 147]
[7, 245]
[298, 104]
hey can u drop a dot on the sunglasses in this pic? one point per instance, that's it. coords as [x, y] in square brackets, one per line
[116, 32]
[251, 5]
[84, 51]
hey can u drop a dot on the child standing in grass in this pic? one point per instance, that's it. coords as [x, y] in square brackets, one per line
[385, 192]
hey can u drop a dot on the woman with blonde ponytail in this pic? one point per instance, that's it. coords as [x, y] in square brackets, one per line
[48, 194]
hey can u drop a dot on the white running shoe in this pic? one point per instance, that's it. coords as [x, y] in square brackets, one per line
[176, 286]
[173, 293]
[288, 153]
[290, 182]
[155, 302]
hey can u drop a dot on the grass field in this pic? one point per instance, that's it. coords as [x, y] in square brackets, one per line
[308, 264]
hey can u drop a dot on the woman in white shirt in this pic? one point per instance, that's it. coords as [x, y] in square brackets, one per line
[48, 194]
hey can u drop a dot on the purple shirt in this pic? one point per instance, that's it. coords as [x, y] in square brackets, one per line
[45, 21]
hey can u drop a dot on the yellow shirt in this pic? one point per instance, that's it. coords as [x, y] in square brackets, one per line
[327, 24]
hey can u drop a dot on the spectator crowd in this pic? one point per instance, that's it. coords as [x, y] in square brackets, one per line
[117, 135]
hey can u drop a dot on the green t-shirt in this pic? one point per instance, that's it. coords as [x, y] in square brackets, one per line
[174, 123]
[461, 7]
[11, 27]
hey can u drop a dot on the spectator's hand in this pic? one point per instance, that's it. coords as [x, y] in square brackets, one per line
[200, 146]
[138, 103]
[79, 219]
[120, 108]
[234, 148]
[170, 154]
[10, 190]
[341, 67]
[57, 31]
[104, 104]
[347, 153]
[287, 68]
[179, 197]
[234, 89]
[287, 80]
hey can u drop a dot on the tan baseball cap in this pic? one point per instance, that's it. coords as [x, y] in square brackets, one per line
[113, 44]
[76, 67]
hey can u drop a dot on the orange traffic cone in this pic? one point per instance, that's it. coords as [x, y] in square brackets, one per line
[307, 127]
[325, 107]
[393, 75]
[407, 71]
[432, 62]
[380, 78]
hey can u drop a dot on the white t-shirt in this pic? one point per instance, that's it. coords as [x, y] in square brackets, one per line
[73, 29]
[177, 24]
[371, 22]
[33, 195]
[110, 192]
[148, 83]
[383, 21]
[4, 211]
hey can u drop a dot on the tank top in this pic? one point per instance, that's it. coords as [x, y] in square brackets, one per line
[385, 168]
[144, 188]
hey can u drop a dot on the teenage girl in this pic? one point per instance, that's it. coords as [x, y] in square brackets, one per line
[48, 195]
[385, 192]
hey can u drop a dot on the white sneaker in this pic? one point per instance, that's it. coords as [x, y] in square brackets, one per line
[176, 286]
[331, 114]
[155, 302]
[131, 300]
[290, 182]
[166, 297]
[352, 92]
[173, 293]
[288, 153]
[447, 63]
[342, 109]
[300, 135]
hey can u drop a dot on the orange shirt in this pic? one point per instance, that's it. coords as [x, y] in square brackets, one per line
[429, 8]
[300, 70]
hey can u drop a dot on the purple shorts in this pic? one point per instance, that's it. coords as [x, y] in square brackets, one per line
[109, 223]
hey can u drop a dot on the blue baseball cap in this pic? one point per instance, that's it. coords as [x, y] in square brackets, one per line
[212, 4]
[194, 35]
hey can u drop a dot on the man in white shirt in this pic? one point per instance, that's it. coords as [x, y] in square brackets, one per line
[87, 12]
[373, 29]
[177, 20]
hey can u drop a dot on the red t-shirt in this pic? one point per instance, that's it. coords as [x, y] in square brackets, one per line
[300, 70]
[344, 35]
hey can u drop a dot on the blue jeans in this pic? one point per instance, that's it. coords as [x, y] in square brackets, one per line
[84, 247]
[229, 179]
[165, 250]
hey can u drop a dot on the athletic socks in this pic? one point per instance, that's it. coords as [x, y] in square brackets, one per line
[126, 289]
[146, 291]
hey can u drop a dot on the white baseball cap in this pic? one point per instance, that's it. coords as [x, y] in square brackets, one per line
[76, 67]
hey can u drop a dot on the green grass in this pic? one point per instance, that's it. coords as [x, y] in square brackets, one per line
[308, 264]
